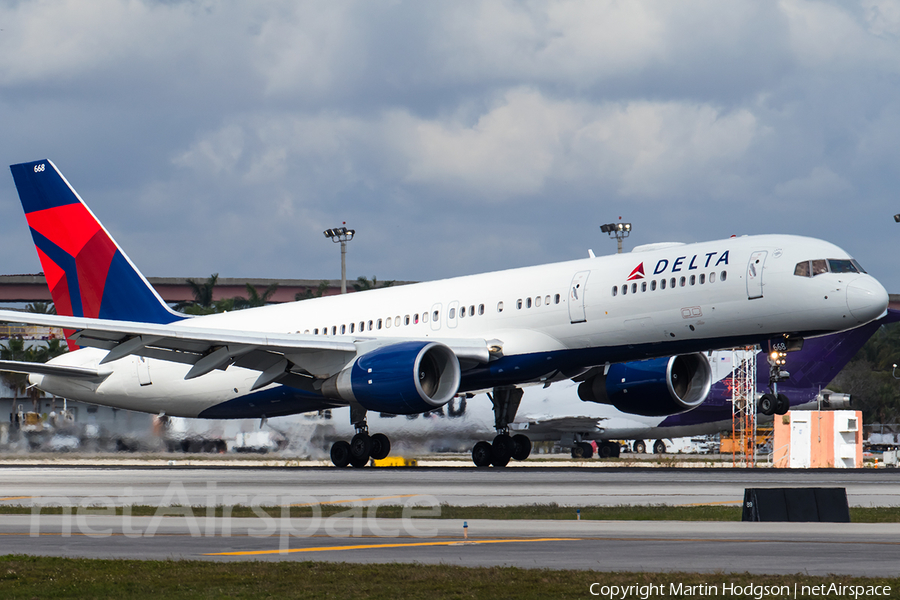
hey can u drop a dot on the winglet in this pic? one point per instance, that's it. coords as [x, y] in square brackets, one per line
[87, 272]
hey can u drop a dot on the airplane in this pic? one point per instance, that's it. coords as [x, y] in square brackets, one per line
[411, 349]
[557, 414]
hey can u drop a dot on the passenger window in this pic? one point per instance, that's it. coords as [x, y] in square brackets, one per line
[388, 323]
[702, 278]
[316, 331]
[434, 316]
[425, 317]
[370, 325]
[624, 289]
[819, 267]
[662, 284]
[352, 327]
[556, 301]
[537, 301]
[406, 320]
[643, 286]
[547, 300]
[802, 269]
[527, 302]
[480, 309]
[723, 276]
[452, 313]
[682, 281]
[343, 329]
[472, 310]
[615, 291]
[693, 279]
[653, 286]
[462, 312]
[500, 307]
[672, 283]
[334, 330]
[378, 324]
[519, 304]
[397, 321]
[712, 277]
[416, 319]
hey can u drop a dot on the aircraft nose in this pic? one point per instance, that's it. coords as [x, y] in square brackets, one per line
[866, 299]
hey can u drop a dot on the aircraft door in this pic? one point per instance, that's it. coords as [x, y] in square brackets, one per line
[576, 297]
[143, 370]
[452, 309]
[436, 317]
[755, 274]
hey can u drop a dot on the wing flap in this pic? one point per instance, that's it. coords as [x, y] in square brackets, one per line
[16, 366]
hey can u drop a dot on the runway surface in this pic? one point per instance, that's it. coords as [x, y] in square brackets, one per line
[454, 486]
[358, 535]
[775, 548]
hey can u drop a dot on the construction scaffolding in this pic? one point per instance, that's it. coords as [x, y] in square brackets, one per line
[743, 406]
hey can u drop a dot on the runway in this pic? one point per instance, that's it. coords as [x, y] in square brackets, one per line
[359, 535]
[454, 486]
[658, 546]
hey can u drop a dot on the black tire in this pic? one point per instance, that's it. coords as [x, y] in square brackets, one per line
[605, 450]
[659, 447]
[782, 404]
[360, 448]
[502, 450]
[521, 447]
[639, 447]
[767, 405]
[481, 454]
[587, 451]
[358, 463]
[577, 450]
[340, 453]
[381, 446]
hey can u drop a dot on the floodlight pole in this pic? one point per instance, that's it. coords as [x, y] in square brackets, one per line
[620, 231]
[341, 235]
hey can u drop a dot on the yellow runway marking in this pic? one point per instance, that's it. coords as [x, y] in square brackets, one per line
[356, 500]
[15, 498]
[373, 546]
[713, 503]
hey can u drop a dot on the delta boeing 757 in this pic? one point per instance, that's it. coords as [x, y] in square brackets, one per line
[411, 349]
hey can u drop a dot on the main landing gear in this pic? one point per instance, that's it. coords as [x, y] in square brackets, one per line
[504, 447]
[362, 446]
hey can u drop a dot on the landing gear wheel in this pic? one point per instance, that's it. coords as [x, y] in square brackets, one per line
[502, 450]
[767, 404]
[381, 446]
[481, 454]
[659, 447]
[587, 451]
[782, 404]
[608, 450]
[521, 447]
[360, 449]
[340, 453]
[639, 447]
[577, 450]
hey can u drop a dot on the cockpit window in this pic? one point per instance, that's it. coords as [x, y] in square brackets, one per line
[819, 267]
[802, 269]
[842, 266]
[857, 265]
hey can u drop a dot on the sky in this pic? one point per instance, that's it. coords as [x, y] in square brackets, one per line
[455, 137]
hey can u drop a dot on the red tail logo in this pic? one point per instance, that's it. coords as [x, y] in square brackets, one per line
[637, 273]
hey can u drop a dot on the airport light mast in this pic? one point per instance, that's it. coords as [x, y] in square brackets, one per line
[341, 235]
[619, 231]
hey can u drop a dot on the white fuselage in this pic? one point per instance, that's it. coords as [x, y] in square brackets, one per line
[551, 322]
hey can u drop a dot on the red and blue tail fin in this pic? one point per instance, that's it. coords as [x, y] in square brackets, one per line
[87, 272]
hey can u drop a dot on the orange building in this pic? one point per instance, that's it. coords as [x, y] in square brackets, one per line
[807, 439]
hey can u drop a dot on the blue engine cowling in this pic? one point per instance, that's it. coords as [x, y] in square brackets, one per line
[652, 388]
[404, 378]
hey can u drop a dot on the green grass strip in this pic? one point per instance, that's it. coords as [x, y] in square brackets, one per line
[541, 511]
[26, 577]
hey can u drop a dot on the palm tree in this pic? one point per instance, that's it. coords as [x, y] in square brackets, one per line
[203, 303]
[43, 308]
[309, 293]
[15, 349]
[364, 284]
[254, 298]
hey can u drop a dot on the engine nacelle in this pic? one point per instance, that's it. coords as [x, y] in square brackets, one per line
[652, 388]
[403, 378]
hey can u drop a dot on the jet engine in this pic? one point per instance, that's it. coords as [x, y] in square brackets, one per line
[403, 378]
[652, 388]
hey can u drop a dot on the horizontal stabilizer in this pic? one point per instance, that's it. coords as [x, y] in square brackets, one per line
[16, 366]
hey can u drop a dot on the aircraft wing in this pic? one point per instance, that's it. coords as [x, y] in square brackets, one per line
[558, 424]
[208, 349]
[17, 366]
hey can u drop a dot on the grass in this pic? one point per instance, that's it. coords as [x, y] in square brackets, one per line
[538, 511]
[26, 577]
